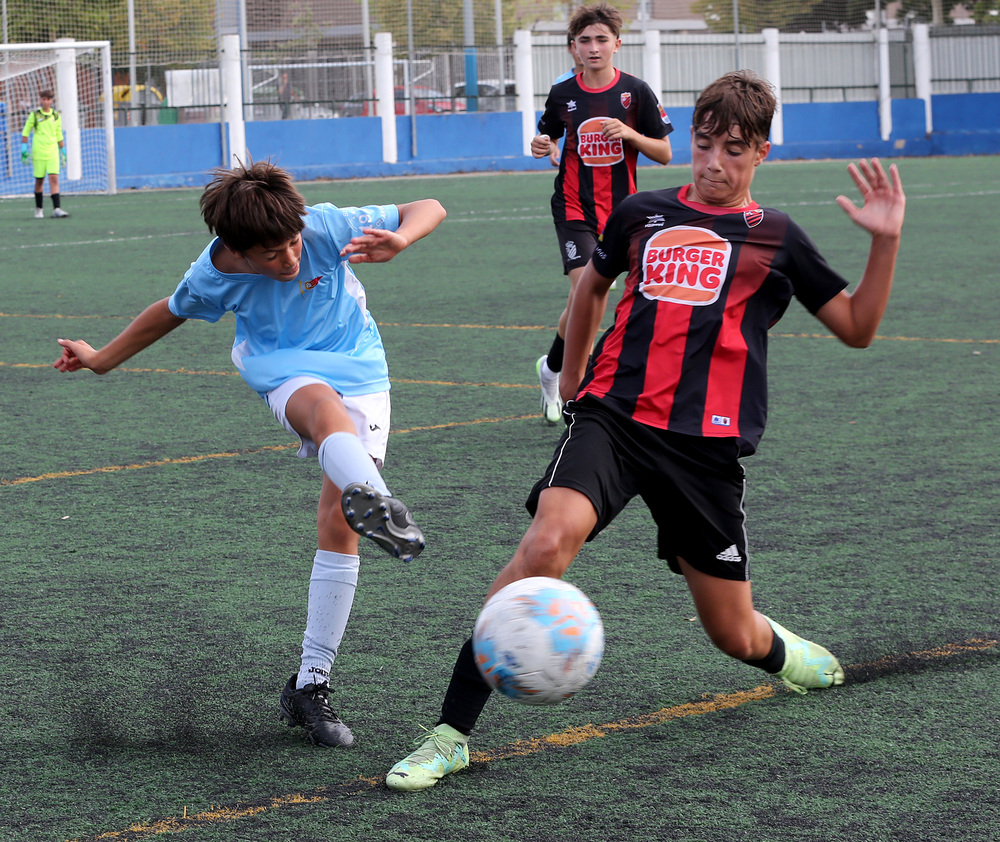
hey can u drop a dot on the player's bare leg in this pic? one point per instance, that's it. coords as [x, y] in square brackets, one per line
[725, 608]
[561, 524]
[317, 412]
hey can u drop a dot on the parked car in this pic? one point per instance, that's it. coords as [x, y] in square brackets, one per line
[490, 96]
[426, 101]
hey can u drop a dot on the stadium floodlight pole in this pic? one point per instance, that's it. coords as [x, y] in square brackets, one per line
[366, 43]
[736, 32]
[498, 29]
[9, 150]
[131, 59]
[471, 69]
[409, 92]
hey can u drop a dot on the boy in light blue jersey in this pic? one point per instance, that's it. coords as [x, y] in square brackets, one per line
[306, 343]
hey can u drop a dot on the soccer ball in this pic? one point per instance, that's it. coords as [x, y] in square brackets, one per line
[538, 640]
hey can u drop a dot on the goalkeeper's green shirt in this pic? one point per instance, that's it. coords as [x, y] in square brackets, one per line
[48, 131]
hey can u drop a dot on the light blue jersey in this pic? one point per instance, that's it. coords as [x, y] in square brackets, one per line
[317, 325]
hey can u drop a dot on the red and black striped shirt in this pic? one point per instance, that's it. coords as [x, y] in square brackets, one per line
[596, 174]
[688, 349]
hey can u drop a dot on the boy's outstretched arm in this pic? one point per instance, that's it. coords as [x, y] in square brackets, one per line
[855, 317]
[416, 220]
[153, 323]
[586, 309]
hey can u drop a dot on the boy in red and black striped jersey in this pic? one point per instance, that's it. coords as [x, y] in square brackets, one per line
[674, 394]
[608, 117]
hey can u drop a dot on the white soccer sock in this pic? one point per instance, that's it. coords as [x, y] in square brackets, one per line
[548, 376]
[344, 460]
[331, 594]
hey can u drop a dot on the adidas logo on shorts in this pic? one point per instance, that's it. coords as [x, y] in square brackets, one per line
[731, 554]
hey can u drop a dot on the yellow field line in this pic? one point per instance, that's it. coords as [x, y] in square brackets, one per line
[521, 748]
[182, 370]
[878, 338]
[187, 460]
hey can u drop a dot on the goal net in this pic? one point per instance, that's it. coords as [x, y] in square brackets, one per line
[79, 74]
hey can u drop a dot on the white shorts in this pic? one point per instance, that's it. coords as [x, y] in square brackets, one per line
[370, 414]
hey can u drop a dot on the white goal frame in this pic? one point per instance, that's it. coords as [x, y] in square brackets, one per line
[18, 180]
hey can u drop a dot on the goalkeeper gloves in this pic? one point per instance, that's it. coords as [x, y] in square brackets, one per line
[24, 152]
[62, 157]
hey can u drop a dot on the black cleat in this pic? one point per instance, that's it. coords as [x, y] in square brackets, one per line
[310, 709]
[384, 519]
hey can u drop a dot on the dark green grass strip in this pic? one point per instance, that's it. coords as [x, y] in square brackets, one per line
[184, 460]
[947, 655]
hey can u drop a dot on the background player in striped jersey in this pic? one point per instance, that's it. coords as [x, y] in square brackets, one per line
[674, 394]
[608, 117]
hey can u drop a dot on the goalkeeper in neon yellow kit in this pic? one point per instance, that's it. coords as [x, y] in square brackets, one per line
[48, 151]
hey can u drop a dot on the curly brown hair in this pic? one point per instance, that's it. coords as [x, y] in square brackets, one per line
[253, 204]
[741, 99]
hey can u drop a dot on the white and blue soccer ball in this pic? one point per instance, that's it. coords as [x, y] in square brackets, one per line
[538, 641]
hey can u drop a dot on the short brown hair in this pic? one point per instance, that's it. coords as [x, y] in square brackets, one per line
[253, 204]
[47, 94]
[599, 13]
[740, 98]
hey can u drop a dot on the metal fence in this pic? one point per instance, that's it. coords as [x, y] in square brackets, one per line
[324, 84]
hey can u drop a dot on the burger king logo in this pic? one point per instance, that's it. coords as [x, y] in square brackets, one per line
[685, 265]
[594, 149]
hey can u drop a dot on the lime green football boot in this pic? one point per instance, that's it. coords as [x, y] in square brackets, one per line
[807, 664]
[441, 752]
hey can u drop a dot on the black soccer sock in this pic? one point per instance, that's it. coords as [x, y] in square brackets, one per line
[55, 200]
[555, 358]
[467, 693]
[38, 200]
[774, 660]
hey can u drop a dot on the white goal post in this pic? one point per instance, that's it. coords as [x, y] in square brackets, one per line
[79, 73]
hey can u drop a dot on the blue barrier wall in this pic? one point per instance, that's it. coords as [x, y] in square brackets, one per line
[182, 155]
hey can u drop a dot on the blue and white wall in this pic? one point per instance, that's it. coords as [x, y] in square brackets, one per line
[182, 155]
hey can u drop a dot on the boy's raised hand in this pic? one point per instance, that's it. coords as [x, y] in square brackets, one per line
[884, 202]
[376, 245]
[75, 355]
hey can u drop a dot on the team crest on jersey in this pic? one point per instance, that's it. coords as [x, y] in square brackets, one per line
[594, 149]
[571, 105]
[753, 217]
[626, 99]
[305, 286]
[685, 265]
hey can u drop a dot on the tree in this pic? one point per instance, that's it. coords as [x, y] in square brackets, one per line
[792, 16]
[162, 26]
[986, 11]
[754, 15]
[442, 22]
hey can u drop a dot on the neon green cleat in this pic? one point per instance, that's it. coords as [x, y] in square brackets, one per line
[441, 752]
[807, 664]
